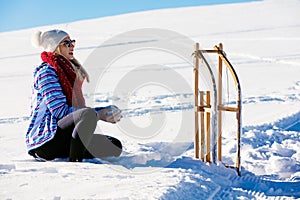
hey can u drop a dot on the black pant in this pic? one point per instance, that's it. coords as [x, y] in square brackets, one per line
[75, 139]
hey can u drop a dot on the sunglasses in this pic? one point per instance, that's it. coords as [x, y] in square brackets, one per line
[68, 43]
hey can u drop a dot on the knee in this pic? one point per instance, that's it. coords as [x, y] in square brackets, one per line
[86, 124]
[90, 116]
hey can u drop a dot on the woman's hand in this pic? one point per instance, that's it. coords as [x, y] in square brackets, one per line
[110, 114]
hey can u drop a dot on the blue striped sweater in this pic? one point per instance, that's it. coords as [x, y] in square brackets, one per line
[48, 105]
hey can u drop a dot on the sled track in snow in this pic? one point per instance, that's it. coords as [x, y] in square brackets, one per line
[292, 60]
[225, 183]
[290, 123]
[255, 187]
[12, 120]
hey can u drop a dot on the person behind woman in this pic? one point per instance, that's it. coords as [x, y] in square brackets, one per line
[61, 125]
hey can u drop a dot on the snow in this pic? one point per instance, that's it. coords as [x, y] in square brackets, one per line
[261, 39]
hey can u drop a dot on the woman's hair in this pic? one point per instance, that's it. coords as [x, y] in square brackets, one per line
[81, 73]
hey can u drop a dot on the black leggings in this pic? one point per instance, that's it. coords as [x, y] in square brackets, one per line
[75, 139]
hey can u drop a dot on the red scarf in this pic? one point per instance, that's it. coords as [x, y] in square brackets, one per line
[71, 86]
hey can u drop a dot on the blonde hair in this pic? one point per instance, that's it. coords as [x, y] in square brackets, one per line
[81, 73]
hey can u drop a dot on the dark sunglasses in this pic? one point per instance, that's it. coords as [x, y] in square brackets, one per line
[68, 43]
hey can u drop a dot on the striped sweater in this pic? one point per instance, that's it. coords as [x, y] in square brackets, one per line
[48, 105]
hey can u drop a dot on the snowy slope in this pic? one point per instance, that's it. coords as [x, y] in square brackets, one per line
[261, 40]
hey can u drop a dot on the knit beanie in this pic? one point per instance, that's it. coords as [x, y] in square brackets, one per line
[48, 40]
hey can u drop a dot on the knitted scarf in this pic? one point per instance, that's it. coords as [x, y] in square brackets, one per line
[70, 83]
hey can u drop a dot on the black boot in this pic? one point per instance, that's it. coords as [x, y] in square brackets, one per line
[77, 150]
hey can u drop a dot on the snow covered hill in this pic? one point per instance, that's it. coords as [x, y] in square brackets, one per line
[261, 40]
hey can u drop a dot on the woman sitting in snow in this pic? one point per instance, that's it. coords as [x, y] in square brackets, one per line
[61, 126]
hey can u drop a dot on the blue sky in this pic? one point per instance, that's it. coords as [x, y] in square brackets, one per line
[21, 14]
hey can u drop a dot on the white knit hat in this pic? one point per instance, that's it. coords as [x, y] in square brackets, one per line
[48, 40]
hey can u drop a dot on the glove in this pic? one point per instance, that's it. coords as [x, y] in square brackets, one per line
[110, 114]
